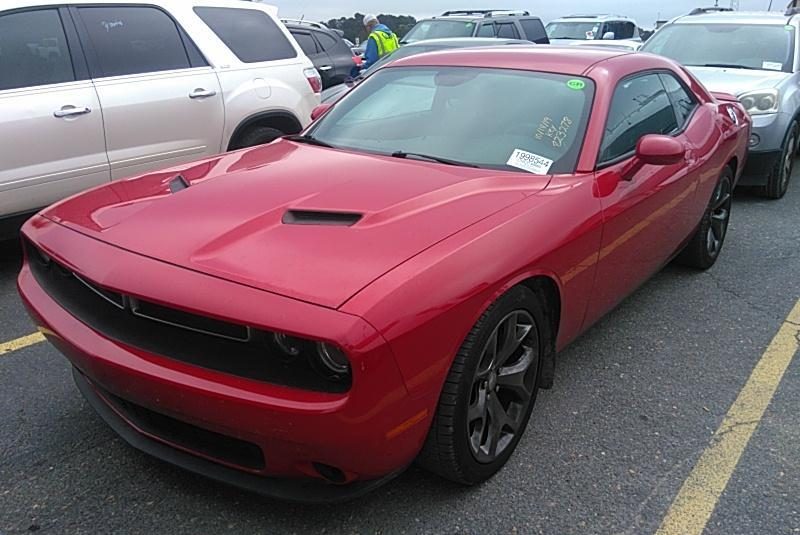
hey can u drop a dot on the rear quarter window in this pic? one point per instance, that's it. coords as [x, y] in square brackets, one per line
[251, 34]
[534, 30]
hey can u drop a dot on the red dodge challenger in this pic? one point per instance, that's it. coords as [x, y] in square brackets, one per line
[306, 318]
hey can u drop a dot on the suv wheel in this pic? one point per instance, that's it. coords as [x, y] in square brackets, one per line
[781, 173]
[258, 135]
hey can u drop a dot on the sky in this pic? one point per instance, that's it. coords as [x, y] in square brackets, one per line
[644, 11]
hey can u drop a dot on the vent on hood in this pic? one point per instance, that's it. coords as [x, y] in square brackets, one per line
[179, 183]
[307, 217]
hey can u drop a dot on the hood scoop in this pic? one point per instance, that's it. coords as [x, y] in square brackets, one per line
[320, 218]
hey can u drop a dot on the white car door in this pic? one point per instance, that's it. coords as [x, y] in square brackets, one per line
[51, 126]
[162, 103]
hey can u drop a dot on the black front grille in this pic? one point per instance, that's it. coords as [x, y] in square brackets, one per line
[215, 445]
[199, 340]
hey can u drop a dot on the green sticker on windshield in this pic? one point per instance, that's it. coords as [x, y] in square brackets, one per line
[576, 85]
[789, 28]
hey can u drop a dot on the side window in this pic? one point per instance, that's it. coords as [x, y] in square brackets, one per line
[325, 40]
[626, 30]
[683, 102]
[610, 27]
[507, 30]
[250, 34]
[306, 42]
[534, 30]
[640, 106]
[134, 40]
[33, 50]
[486, 30]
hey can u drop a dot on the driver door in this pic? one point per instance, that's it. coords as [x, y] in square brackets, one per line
[648, 213]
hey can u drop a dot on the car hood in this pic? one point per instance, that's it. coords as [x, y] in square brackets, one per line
[737, 81]
[253, 217]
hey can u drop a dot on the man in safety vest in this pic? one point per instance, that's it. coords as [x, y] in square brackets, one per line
[381, 41]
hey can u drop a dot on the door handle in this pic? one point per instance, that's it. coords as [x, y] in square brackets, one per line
[202, 93]
[326, 68]
[70, 111]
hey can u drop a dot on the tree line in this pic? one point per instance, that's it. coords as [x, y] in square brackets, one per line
[353, 27]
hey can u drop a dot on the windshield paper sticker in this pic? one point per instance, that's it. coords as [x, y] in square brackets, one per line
[772, 66]
[576, 85]
[530, 162]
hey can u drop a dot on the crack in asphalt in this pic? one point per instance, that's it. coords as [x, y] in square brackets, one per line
[732, 427]
[635, 526]
[722, 287]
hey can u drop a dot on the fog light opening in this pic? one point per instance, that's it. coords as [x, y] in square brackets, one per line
[754, 140]
[330, 473]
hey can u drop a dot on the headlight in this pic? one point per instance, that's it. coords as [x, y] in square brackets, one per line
[761, 102]
[326, 360]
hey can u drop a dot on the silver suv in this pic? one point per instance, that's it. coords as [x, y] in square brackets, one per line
[753, 56]
[97, 91]
[577, 29]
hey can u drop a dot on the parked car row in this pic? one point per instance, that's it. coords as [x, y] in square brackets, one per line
[391, 284]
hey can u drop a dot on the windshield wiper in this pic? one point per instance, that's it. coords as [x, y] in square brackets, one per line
[308, 138]
[726, 66]
[437, 159]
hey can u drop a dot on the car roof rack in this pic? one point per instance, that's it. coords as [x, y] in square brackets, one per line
[715, 9]
[310, 23]
[486, 13]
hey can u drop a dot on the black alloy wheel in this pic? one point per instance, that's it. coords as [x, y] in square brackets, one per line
[719, 217]
[503, 386]
[706, 243]
[490, 389]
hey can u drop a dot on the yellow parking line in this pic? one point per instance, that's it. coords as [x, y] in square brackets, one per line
[19, 343]
[697, 499]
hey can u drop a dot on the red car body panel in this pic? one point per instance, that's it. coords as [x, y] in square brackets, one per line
[398, 291]
[232, 228]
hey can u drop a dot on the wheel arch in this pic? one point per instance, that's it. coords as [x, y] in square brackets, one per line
[283, 120]
[547, 287]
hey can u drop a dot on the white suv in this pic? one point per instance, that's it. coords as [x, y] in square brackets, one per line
[95, 91]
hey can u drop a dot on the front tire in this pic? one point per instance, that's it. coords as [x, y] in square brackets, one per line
[781, 173]
[703, 249]
[490, 390]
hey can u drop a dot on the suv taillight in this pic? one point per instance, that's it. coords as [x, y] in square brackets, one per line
[314, 79]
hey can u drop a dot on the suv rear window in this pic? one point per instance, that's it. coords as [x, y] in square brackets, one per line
[250, 34]
[534, 30]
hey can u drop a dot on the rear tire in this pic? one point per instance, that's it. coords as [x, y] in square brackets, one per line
[490, 390]
[258, 135]
[781, 173]
[703, 249]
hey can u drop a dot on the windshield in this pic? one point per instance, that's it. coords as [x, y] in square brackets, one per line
[439, 29]
[491, 118]
[726, 45]
[573, 30]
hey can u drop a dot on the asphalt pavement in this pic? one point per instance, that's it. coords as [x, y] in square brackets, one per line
[636, 402]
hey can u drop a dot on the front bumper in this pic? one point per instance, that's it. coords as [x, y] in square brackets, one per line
[758, 168]
[369, 433]
[770, 131]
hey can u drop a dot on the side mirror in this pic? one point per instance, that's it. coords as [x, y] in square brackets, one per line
[660, 150]
[320, 110]
[609, 36]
